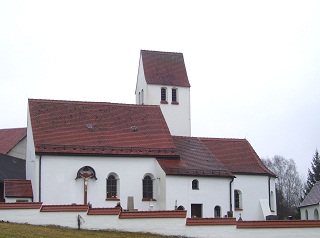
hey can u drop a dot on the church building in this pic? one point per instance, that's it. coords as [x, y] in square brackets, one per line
[143, 155]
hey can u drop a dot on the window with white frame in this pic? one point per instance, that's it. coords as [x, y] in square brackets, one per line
[147, 187]
[163, 94]
[174, 95]
[112, 186]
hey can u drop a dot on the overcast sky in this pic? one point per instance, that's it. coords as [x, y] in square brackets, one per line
[253, 66]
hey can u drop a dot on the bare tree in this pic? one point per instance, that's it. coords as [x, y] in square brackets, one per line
[289, 185]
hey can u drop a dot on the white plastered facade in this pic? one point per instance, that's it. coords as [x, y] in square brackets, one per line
[310, 212]
[59, 186]
[254, 189]
[19, 150]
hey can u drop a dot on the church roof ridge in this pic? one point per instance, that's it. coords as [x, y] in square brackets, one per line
[162, 51]
[88, 102]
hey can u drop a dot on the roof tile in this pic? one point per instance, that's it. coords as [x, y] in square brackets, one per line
[104, 211]
[195, 159]
[99, 128]
[210, 221]
[21, 205]
[11, 137]
[153, 214]
[164, 68]
[277, 224]
[237, 155]
[18, 188]
[64, 208]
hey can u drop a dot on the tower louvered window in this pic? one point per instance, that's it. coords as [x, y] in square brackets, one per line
[163, 94]
[174, 95]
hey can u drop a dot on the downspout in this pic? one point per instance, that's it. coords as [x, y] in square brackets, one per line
[231, 196]
[269, 192]
[40, 178]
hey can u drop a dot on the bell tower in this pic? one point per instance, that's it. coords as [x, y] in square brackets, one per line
[163, 80]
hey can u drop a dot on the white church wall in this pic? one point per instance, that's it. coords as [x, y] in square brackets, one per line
[213, 191]
[253, 188]
[162, 189]
[164, 226]
[310, 212]
[32, 161]
[141, 86]
[177, 115]
[59, 186]
[19, 150]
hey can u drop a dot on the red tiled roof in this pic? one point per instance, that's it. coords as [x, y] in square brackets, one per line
[64, 208]
[153, 214]
[164, 68]
[21, 205]
[18, 188]
[195, 159]
[104, 211]
[99, 128]
[210, 221]
[11, 137]
[237, 155]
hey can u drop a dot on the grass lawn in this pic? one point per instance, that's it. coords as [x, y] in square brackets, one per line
[24, 230]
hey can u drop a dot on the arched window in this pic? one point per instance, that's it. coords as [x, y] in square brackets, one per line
[147, 185]
[195, 184]
[112, 186]
[217, 211]
[174, 94]
[306, 214]
[163, 94]
[316, 214]
[237, 199]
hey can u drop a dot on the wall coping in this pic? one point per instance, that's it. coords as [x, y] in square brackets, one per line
[104, 211]
[153, 214]
[278, 224]
[64, 208]
[210, 221]
[20, 205]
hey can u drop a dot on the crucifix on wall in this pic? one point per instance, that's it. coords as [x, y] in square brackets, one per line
[86, 173]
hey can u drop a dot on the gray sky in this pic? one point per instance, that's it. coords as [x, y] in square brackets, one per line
[253, 65]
